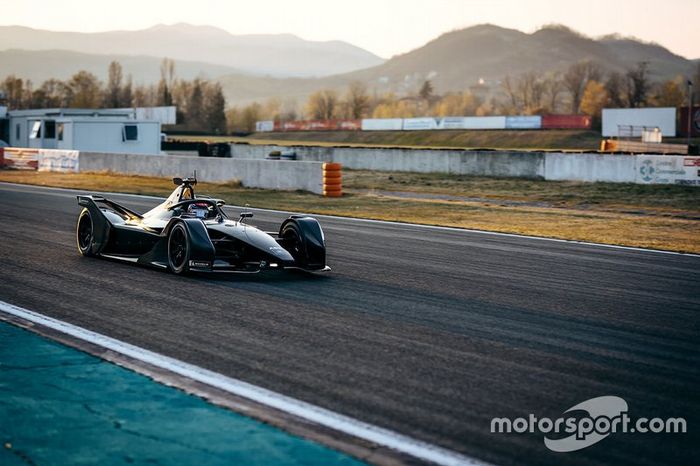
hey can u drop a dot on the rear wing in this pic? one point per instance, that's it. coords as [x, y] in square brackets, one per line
[88, 201]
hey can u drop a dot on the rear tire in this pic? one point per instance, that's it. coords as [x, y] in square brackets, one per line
[84, 233]
[178, 249]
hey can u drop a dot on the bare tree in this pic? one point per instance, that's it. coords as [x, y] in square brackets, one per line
[638, 85]
[52, 93]
[553, 88]
[165, 85]
[84, 90]
[509, 88]
[14, 90]
[670, 93]
[357, 99]
[114, 85]
[126, 95]
[616, 86]
[576, 78]
[322, 105]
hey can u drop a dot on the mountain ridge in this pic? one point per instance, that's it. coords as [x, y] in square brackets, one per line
[280, 55]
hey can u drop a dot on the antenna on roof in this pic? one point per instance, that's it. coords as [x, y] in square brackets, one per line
[195, 176]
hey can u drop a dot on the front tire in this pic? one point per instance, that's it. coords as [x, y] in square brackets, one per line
[295, 244]
[84, 233]
[178, 249]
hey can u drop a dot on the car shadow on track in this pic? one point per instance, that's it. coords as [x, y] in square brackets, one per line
[268, 276]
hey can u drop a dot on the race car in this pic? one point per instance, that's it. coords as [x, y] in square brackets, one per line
[192, 233]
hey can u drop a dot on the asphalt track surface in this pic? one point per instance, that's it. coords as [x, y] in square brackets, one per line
[429, 332]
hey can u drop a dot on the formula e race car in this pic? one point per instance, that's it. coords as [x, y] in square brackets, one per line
[193, 233]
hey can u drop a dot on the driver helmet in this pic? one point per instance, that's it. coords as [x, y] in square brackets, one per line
[198, 209]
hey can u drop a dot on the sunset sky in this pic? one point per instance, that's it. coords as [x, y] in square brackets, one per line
[385, 27]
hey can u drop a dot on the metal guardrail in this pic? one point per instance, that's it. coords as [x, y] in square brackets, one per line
[633, 131]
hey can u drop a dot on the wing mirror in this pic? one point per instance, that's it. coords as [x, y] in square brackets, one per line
[245, 215]
[220, 203]
[177, 181]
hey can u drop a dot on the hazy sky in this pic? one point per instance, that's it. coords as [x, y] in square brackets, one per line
[385, 27]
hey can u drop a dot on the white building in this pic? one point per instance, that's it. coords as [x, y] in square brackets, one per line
[98, 130]
[633, 121]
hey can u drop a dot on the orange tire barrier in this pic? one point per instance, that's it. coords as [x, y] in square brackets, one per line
[332, 180]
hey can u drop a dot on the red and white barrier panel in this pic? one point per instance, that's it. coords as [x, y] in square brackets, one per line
[43, 160]
[432, 123]
[21, 158]
[53, 160]
[566, 122]
[318, 125]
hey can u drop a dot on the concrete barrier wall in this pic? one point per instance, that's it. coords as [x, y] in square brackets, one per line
[463, 162]
[542, 165]
[590, 167]
[252, 173]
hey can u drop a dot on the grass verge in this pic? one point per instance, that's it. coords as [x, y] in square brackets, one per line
[652, 222]
[559, 139]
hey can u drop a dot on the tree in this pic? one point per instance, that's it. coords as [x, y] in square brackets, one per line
[322, 105]
[13, 87]
[84, 90]
[126, 96]
[513, 106]
[249, 116]
[426, 90]
[525, 94]
[594, 99]
[553, 88]
[457, 104]
[195, 106]
[215, 109]
[51, 94]
[670, 93]
[167, 77]
[113, 93]
[616, 87]
[638, 85]
[576, 78]
[289, 110]
[357, 100]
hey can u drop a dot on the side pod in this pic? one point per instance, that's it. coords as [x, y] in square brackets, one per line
[201, 248]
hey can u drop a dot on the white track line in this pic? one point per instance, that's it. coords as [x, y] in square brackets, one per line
[385, 222]
[301, 409]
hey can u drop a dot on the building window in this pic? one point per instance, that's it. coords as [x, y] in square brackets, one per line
[36, 130]
[59, 131]
[49, 129]
[18, 129]
[130, 133]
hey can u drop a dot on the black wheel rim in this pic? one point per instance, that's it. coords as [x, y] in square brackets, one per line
[178, 248]
[85, 232]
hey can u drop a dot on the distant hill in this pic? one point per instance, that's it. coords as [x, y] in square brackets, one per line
[273, 54]
[62, 64]
[256, 67]
[458, 59]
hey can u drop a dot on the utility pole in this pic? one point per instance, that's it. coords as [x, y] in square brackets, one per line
[690, 109]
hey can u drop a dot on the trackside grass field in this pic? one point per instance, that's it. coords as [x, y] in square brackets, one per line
[658, 217]
[553, 139]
